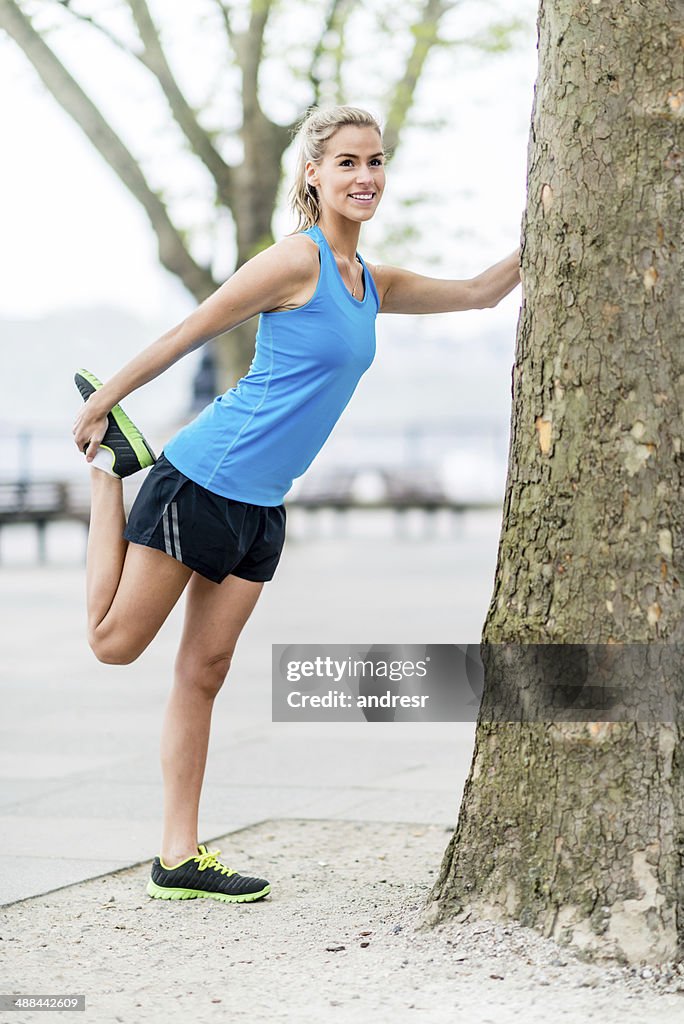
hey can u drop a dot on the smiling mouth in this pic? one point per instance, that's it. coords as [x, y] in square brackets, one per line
[362, 197]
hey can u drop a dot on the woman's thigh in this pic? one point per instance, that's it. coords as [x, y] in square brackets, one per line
[215, 614]
[150, 585]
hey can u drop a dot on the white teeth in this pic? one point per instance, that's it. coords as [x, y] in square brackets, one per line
[362, 195]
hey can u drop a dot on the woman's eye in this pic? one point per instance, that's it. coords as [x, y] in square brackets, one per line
[375, 160]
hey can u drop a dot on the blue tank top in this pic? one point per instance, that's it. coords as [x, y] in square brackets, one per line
[253, 441]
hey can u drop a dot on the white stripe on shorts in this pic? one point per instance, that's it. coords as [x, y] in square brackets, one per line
[167, 534]
[176, 534]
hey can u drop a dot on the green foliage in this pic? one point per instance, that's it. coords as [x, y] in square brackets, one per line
[499, 37]
[259, 246]
[397, 240]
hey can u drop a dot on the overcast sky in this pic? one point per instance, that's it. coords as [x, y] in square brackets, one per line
[72, 236]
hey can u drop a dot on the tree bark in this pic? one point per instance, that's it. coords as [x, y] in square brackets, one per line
[154, 58]
[577, 828]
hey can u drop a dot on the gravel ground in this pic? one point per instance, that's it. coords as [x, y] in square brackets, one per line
[338, 939]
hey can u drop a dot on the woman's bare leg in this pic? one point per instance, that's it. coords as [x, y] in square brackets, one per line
[130, 589]
[106, 544]
[214, 617]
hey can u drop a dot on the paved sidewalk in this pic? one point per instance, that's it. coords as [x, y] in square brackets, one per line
[337, 941]
[80, 782]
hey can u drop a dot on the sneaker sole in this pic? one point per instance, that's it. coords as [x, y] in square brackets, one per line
[158, 892]
[130, 432]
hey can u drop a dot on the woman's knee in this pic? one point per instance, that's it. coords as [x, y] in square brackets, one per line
[113, 647]
[201, 672]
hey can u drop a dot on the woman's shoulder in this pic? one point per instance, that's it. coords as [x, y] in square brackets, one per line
[298, 243]
[296, 254]
[293, 261]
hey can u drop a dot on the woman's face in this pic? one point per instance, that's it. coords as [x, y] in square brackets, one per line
[351, 171]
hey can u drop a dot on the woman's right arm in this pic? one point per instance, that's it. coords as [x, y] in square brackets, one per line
[265, 281]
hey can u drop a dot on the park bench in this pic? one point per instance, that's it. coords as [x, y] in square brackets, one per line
[40, 502]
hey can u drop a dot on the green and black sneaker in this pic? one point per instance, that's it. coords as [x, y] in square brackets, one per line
[129, 449]
[203, 876]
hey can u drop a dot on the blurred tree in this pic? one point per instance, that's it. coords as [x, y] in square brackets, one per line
[569, 825]
[248, 187]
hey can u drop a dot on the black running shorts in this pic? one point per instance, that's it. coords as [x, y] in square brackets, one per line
[213, 535]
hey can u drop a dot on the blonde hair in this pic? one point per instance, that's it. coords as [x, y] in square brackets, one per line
[313, 134]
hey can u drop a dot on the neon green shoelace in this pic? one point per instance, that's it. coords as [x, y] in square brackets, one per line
[210, 860]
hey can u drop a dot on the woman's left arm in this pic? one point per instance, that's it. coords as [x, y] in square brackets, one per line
[402, 291]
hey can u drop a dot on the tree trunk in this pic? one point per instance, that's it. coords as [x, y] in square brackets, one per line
[577, 828]
[256, 188]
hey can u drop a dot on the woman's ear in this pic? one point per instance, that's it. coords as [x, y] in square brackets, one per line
[310, 174]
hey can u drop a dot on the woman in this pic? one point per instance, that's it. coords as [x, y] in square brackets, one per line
[210, 517]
